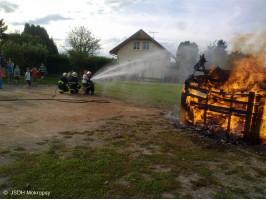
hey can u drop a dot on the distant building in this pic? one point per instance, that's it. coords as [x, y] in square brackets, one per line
[145, 54]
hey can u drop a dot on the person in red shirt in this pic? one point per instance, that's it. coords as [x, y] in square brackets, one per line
[34, 73]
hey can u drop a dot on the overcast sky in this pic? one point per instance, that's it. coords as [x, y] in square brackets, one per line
[112, 21]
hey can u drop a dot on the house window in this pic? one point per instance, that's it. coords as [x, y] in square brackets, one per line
[136, 45]
[146, 46]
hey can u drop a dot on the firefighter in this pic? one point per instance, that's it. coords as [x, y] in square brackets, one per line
[74, 83]
[90, 84]
[63, 84]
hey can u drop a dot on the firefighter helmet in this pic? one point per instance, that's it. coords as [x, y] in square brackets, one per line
[74, 74]
[64, 74]
[88, 72]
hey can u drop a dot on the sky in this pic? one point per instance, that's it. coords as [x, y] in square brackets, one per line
[113, 21]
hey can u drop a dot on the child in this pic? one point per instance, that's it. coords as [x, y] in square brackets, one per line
[17, 74]
[90, 84]
[10, 67]
[34, 72]
[1, 78]
[27, 78]
[84, 81]
[42, 70]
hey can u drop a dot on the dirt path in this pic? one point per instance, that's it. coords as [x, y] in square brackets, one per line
[24, 123]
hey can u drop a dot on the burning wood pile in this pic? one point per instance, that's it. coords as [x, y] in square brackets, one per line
[232, 101]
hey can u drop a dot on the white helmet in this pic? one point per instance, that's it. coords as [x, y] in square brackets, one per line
[88, 72]
[74, 74]
[64, 74]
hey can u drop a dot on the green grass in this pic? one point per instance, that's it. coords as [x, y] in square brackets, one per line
[47, 80]
[88, 173]
[163, 95]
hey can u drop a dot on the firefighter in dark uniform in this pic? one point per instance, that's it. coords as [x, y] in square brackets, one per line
[63, 84]
[90, 84]
[74, 83]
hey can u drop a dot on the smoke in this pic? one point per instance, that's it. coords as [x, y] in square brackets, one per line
[186, 58]
[251, 44]
[140, 82]
[155, 65]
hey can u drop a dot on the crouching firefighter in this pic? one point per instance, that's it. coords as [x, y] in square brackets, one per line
[63, 84]
[90, 84]
[73, 83]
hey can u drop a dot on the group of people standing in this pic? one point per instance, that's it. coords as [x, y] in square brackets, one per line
[16, 72]
[69, 82]
[34, 72]
[6, 66]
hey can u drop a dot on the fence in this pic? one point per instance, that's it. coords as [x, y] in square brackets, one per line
[246, 107]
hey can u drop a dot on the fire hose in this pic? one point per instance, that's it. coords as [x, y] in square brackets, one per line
[61, 100]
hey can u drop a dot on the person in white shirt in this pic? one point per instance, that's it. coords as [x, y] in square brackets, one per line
[84, 81]
[27, 78]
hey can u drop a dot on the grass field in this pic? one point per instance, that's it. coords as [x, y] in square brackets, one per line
[162, 95]
[47, 80]
[167, 163]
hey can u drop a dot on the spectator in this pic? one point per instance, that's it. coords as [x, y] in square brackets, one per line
[42, 71]
[17, 74]
[27, 78]
[1, 78]
[3, 63]
[69, 74]
[10, 66]
[34, 73]
[84, 81]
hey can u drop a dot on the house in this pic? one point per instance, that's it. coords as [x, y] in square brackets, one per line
[145, 54]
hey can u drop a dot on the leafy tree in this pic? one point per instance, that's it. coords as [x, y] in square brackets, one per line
[216, 54]
[33, 54]
[13, 50]
[186, 58]
[42, 33]
[25, 38]
[3, 28]
[83, 44]
[25, 53]
[94, 63]
[82, 41]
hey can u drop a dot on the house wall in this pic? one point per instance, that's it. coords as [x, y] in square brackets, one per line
[150, 63]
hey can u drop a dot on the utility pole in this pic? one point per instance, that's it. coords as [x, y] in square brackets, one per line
[153, 33]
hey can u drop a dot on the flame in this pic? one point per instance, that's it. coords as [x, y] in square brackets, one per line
[248, 75]
[223, 104]
[263, 126]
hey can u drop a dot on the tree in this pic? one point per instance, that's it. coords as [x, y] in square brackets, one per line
[24, 38]
[42, 33]
[186, 58]
[82, 41]
[83, 44]
[3, 28]
[216, 54]
[25, 53]
[13, 50]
